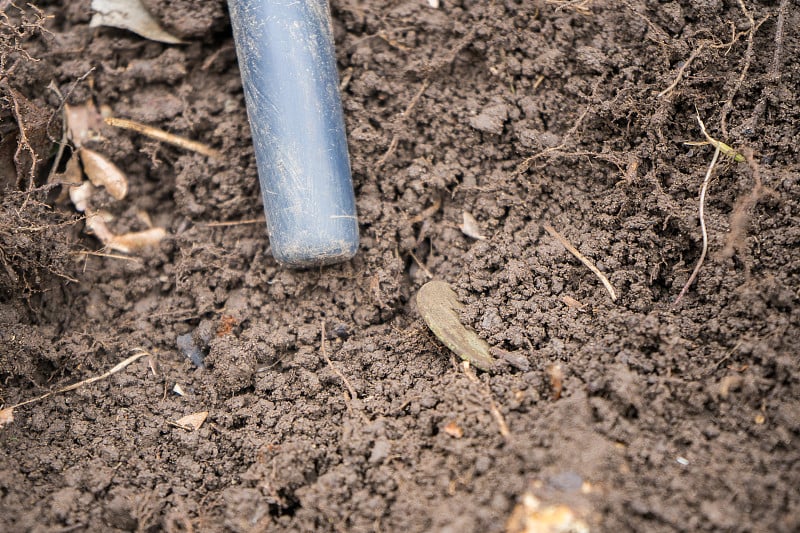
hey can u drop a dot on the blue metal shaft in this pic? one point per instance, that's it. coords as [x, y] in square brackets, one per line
[291, 87]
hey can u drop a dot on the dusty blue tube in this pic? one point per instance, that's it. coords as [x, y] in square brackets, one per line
[291, 87]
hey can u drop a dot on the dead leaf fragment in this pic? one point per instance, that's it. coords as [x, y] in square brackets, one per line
[83, 123]
[103, 173]
[96, 224]
[6, 416]
[439, 306]
[130, 15]
[136, 240]
[533, 516]
[193, 421]
[454, 430]
[80, 195]
[470, 227]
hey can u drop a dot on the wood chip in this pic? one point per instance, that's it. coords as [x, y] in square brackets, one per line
[6, 416]
[470, 227]
[439, 306]
[454, 430]
[193, 421]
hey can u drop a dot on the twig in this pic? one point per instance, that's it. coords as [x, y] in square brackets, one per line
[502, 426]
[681, 70]
[111, 256]
[401, 120]
[583, 259]
[163, 136]
[703, 253]
[120, 366]
[336, 371]
[420, 265]
[233, 223]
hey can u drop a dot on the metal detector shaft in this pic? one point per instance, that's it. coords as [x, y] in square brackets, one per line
[291, 87]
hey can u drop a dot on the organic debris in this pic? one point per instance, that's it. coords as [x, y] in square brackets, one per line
[161, 135]
[720, 147]
[556, 374]
[454, 430]
[135, 241]
[533, 516]
[130, 15]
[439, 306]
[583, 259]
[7, 414]
[103, 173]
[470, 227]
[191, 422]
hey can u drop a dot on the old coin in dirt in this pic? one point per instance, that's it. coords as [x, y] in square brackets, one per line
[439, 306]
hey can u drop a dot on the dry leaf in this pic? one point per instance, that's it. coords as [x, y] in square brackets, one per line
[136, 240]
[83, 122]
[193, 421]
[72, 175]
[80, 195]
[96, 224]
[103, 173]
[439, 306]
[6, 416]
[572, 302]
[454, 430]
[470, 227]
[130, 15]
[177, 389]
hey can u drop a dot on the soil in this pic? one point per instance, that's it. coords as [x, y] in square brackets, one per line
[638, 414]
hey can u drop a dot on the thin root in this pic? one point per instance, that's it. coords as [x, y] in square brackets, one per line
[682, 70]
[120, 366]
[703, 190]
[583, 259]
[403, 116]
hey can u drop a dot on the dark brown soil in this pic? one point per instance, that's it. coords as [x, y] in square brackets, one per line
[679, 418]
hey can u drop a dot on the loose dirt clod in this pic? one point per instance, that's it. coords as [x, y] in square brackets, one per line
[439, 306]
